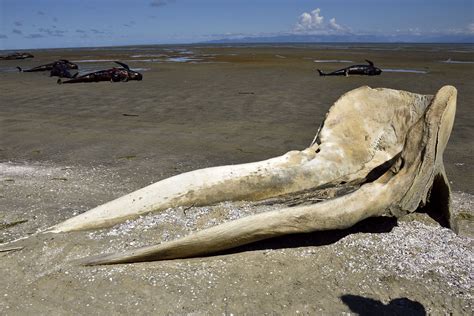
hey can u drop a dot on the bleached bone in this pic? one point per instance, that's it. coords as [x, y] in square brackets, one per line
[364, 128]
[412, 177]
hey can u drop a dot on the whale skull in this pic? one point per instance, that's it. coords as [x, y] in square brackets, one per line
[385, 145]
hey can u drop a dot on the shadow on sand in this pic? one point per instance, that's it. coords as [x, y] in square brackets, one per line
[367, 306]
[370, 225]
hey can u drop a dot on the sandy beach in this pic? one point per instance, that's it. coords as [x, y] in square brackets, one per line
[65, 149]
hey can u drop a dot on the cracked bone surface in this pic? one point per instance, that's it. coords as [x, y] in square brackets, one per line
[387, 144]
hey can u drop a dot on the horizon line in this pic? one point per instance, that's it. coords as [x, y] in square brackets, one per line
[212, 43]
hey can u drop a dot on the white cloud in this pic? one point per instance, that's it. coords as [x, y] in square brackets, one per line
[310, 21]
[50, 32]
[233, 35]
[36, 35]
[160, 3]
[470, 28]
[414, 31]
[313, 23]
[336, 27]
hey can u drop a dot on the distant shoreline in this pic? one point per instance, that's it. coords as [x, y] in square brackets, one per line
[250, 43]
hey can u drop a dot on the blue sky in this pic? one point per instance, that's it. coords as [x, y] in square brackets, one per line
[73, 23]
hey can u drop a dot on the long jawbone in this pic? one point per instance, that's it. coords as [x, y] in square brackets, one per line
[362, 130]
[386, 142]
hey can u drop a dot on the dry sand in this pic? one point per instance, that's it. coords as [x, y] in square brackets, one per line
[67, 148]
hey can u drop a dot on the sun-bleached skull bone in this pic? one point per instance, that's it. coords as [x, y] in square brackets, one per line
[387, 144]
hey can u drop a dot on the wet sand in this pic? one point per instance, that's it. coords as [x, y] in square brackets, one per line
[67, 148]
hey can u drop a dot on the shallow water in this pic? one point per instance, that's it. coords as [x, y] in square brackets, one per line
[149, 55]
[8, 69]
[332, 61]
[449, 61]
[93, 60]
[405, 70]
[182, 59]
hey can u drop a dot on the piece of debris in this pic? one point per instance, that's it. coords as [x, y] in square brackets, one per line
[11, 224]
[11, 249]
[129, 157]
